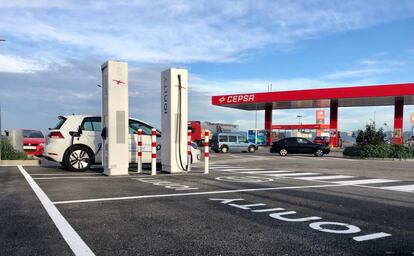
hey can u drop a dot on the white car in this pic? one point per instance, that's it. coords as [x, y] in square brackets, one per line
[78, 153]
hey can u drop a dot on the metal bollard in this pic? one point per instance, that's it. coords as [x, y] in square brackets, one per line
[139, 151]
[189, 151]
[153, 152]
[206, 150]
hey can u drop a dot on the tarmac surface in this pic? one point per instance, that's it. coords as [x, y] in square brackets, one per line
[249, 204]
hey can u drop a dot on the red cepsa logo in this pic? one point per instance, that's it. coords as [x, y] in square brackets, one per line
[118, 82]
[237, 98]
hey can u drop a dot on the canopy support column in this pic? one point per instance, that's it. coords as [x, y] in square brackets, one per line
[333, 126]
[398, 121]
[268, 123]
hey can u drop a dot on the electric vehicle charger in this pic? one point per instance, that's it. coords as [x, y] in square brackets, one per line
[178, 133]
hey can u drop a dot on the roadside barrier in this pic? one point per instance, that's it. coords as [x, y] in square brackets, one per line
[189, 151]
[206, 150]
[154, 152]
[139, 151]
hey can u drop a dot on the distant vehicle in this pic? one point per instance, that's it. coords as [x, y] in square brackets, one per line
[33, 141]
[410, 141]
[231, 142]
[75, 142]
[197, 129]
[321, 140]
[297, 145]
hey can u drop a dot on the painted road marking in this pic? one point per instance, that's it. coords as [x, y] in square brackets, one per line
[371, 236]
[403, 188]
[165, 184]
[246, 179]
[268, 210]
[72, 238]
[293, 174]
[343, 159]
[64, 174]
[73, 177]
[326, 177]
[363, 181]
[238, 169]
[310, 157]
[261, 172]
[194, 193]
[322, 226]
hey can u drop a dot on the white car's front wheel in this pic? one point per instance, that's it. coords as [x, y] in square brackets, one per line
[78, 158]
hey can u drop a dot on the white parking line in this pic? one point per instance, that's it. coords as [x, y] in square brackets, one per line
[76, 177]
[64, 174]
[261, 172]
[293, 174]
[195, 193]
[363, 181]
[326, 177]
[72, 238]
[236, 169]
[403, 188]
[311, 158]
[343, 159]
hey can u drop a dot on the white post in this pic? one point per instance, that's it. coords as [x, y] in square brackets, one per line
[206, 151]
[189, 151]
[154, 152]
[139, 151]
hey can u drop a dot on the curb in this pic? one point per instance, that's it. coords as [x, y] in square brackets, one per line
[20, 162]
[377, 158]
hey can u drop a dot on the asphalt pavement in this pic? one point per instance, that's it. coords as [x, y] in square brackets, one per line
[249, 204]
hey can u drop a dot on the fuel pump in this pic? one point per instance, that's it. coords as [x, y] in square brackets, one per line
[174, 117]
[115, 118]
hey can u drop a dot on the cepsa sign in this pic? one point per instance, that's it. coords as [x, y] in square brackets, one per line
[236, 99]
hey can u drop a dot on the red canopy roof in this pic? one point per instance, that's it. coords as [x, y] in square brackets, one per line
[373, 95]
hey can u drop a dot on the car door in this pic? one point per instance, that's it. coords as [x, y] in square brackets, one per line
[242, 144]
[291, 145]
[305, 146]
[233, 146]
[91, 136]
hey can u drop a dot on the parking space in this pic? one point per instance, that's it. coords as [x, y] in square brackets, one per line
[257, 204]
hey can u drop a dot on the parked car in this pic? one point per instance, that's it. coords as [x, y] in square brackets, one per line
[231, 142]
[321, 140]
[296, 145]
[62, 147]
[33, 141]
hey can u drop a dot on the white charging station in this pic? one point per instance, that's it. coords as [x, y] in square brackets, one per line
[115, 118]
[174, 117]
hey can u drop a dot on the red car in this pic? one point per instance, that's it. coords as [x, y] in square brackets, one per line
[321, 140]
[33, 142]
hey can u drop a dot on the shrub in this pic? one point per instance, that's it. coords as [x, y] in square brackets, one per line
[381, 151]
[9, 153]
[370, 136]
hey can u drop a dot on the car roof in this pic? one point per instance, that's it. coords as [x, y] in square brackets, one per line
[85, 115]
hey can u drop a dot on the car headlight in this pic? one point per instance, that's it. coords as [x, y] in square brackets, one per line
[194, 145]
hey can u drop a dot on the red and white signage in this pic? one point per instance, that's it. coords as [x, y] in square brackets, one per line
[229, 99]
[320, 116]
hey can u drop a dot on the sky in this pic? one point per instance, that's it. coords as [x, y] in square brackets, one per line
[50, 62]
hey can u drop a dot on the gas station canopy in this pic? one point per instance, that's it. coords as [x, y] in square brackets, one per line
[356, 96]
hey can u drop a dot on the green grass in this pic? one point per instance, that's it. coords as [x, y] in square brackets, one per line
[9, 153]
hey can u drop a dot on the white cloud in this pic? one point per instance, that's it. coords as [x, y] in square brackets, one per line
[185, 31]
[16, 64]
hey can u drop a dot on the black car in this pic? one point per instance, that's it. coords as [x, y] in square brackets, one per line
[296, 145]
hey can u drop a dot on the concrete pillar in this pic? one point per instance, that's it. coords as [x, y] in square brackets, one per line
[268, 123]
[398, 121]
[333, 126]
